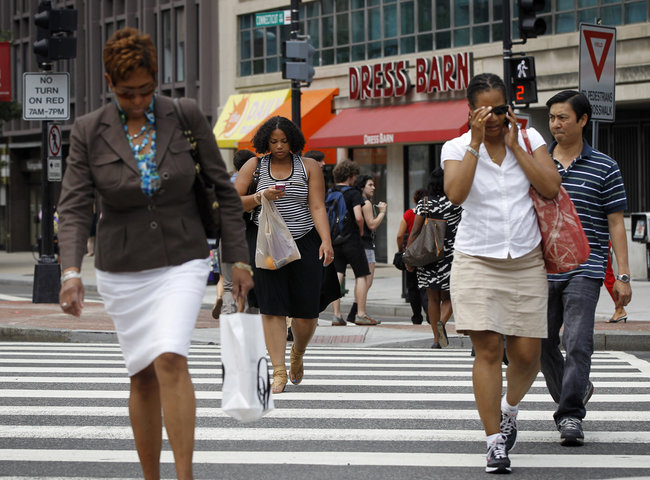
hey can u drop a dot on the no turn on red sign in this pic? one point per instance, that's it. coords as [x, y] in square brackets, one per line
[598, 69]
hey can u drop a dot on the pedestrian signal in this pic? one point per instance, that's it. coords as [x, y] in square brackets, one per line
[522, 79]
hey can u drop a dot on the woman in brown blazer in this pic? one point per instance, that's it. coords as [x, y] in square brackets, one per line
[151, 253]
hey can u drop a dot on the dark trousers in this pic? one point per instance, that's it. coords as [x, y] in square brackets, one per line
[417, 297]
[571, 303]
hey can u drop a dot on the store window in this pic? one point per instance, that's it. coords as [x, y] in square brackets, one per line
[345, 31]
[173, 39]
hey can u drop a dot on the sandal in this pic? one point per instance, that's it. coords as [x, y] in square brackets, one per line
[279, 379]
[297, 369]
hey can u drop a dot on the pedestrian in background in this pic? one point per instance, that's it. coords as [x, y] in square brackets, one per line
[366, 185]
[594, 183]
[151, 252]
[417, 297]
[498, 279]
[293, 290]
[225, 302]
[435, 276]
[351, 251]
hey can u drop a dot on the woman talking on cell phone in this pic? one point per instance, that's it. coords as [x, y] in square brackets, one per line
[498, 279]
[297, 187]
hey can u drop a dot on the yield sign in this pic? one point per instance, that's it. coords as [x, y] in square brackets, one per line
[598, 69]
[598, 44]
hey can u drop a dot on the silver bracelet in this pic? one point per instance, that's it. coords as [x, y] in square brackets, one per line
[69, 275]
[472, 151]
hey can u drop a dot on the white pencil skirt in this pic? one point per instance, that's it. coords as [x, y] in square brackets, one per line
[154, 311]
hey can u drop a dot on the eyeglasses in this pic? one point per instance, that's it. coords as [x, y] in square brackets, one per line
[131, 93]
[500, 110]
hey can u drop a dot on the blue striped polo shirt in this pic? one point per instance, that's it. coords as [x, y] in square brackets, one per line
[595, 185]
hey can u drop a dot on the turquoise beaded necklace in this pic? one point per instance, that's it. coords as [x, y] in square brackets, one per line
[149, 178]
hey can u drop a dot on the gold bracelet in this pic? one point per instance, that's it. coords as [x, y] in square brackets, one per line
[243, 266]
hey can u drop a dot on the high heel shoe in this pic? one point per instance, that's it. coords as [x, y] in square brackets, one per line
[619, 319]
[297, 368]
[279, 379]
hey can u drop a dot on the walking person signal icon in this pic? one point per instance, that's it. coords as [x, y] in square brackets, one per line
[522, 76]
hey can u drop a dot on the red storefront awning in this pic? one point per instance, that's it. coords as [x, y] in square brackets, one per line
[414, 123]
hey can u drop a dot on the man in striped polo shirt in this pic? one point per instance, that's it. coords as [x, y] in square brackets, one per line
[595, 185]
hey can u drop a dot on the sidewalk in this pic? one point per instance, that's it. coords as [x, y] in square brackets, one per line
[25, 321]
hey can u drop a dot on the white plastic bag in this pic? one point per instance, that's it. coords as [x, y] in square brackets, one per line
[275, 245]
[246, 390]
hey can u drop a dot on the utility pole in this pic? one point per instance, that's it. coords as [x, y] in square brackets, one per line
[295, 84]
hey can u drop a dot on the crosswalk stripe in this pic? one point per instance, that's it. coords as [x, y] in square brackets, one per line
[322, 396]
[525, 413]
[121, 380]
[344, 458]
[305, 434]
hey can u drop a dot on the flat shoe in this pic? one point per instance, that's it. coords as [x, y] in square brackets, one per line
[338, 322]
[436, 345]
[216, 311]
[442, 334]
[619, 319]
[365, 320]
[279, 379]
[297, 368]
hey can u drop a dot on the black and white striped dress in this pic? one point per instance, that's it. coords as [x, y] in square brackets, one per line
[436, 275]
[294, 206]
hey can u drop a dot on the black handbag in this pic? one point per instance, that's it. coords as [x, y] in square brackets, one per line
[429, 245]
[204, 190]
[398, 261]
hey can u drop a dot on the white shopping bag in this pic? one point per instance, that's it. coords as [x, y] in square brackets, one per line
[246, 390]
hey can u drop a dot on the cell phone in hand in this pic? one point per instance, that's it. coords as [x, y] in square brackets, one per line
[281, 186]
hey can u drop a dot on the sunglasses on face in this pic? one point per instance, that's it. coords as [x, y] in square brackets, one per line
[131, 93]
[500, 110]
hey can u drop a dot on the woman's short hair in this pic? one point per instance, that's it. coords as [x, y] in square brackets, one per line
[344, 170]
[241, 157]
[578, 101]
[419, 194]
[263, 135]
[436, 184]
[127, 51]
[482, 83]
[360, 182]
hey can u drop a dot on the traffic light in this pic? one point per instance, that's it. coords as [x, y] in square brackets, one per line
[529, 25]
[522, 79]
[302, 69]
[54, 25]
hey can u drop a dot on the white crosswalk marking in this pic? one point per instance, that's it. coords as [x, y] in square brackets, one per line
[63, 407]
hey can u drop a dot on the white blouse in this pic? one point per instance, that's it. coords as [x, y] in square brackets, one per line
[498, 216]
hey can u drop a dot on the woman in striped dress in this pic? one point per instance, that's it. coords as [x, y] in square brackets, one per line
[292, 290]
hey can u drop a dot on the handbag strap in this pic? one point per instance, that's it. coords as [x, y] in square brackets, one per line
[187, 131]
[529, 148]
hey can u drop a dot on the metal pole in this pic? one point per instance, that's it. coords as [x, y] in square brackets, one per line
[507, 49]
[295, 84]
[594, 134]
[47, 272]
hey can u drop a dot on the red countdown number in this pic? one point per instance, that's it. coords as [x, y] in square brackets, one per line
[520, 94]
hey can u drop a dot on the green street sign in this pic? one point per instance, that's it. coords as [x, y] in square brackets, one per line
[271, 19]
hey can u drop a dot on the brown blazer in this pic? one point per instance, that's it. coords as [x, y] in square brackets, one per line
[136, 232]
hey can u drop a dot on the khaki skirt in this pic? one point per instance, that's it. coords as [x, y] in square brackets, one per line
[507, 296]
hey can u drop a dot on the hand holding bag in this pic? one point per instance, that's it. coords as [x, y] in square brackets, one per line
[275, 246]
[564, 242]
[246, 390]
[204, 192]
[429, 245]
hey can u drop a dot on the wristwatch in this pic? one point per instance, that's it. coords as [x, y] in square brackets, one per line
[625, 278]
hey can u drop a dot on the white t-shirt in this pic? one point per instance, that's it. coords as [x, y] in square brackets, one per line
[498, 216]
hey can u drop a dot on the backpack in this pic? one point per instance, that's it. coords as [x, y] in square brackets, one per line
[337, 214]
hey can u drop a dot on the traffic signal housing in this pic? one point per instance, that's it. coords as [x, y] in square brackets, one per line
[299, 60]
[523, 81]
[529, 25]
[52, 37]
